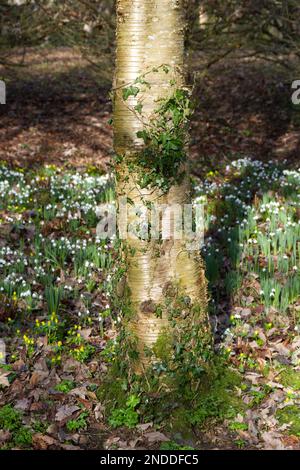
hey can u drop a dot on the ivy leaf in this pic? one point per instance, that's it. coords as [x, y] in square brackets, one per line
[138, 108]
[142, 135]
[130, 91]
[142, 81]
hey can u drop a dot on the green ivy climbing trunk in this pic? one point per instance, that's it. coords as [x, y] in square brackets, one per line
[149, 71]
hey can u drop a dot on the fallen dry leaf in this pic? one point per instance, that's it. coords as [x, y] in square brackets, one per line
[272, 441]
[23, 405]
[144, 427]
[5, 436]
[43, 442]
[3, 379]
[156, 436]
[37, 377]
[64, 413]
[19, 365]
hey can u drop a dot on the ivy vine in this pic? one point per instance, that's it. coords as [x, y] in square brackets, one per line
[161, 161]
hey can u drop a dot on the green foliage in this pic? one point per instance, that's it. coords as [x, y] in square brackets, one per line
[290, 415]
[10, 419]
[65, 386]
[40, 426]
[182, 351]
[217, 399]
[78, 347]
[260, 240]
[78, 423]
[53, 297]
[161, 161]
[23, 437]
[290, 378]
[127, 416]
[170, 445]
[130, 91]
[237, 426]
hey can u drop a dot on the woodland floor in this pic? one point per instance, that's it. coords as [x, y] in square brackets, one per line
[56, 311]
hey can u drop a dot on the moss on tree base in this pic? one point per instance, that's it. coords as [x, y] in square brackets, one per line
[179, 407]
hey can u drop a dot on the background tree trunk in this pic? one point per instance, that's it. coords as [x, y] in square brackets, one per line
[150, 33]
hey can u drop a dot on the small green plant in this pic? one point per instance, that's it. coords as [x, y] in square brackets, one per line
[53, 297]
[126, 416]
[65, 386]
[78, 423]
[52, 327]
[236, 426]
[30, 345]
[79, 348]
[10, 419]
[290, 378]
[40, 426]
[240, 443]
[23, 437]
[170, 445]
[290, 415]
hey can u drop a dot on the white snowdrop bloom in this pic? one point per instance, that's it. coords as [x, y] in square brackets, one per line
[295, 268]
[25, 294]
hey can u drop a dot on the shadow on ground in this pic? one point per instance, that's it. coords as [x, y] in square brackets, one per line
[56, 112]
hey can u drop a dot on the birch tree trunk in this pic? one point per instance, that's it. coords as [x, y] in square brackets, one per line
[150, 33]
